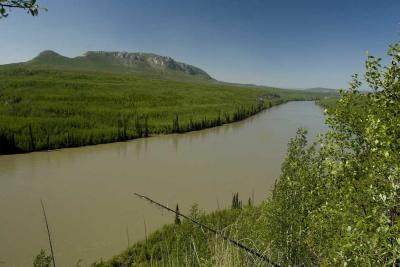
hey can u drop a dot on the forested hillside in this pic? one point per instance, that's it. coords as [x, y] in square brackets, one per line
[42, 109]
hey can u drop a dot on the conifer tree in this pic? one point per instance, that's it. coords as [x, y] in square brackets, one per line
[32, 142]
[175, 124]
[177, 218]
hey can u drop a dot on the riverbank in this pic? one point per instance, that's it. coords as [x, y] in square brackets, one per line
[187, 244]
[49, 109]
[318, 213]
[88, 191]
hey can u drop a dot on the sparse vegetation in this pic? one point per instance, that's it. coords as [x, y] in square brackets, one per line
[186, 244]
[42, 260]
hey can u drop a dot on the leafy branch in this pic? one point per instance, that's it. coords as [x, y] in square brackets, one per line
[31, 6]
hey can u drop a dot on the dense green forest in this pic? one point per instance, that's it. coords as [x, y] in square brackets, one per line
[42, 109]
[336, 202]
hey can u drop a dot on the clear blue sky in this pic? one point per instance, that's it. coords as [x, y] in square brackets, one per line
[296, 44]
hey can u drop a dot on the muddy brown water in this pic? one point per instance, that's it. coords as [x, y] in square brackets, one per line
[88, 191]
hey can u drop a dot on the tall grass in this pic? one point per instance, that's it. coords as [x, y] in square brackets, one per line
[186, 244]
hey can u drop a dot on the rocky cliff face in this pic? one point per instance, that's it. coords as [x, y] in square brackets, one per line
[148, 60]
[121, 61]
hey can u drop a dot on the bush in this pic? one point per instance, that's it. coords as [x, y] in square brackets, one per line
[337, 201]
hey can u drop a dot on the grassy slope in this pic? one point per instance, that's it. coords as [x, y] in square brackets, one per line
[187, 245]
[49, 109]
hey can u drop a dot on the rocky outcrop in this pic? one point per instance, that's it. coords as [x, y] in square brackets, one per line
[121, 61]
[149, 60]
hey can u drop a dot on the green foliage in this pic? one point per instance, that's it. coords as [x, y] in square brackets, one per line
[328, 103]
[31, 6]
[292, 199]
[51, 109]
[42, 260]
[337, 201]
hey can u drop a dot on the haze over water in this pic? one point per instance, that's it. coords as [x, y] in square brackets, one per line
[88, 191]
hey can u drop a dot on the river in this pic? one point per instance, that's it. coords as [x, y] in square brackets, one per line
[88, 191]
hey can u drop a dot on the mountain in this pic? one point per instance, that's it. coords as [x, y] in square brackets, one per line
[120, 62]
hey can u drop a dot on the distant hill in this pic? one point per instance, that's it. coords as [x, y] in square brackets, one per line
[322, 90]
[120, 62]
